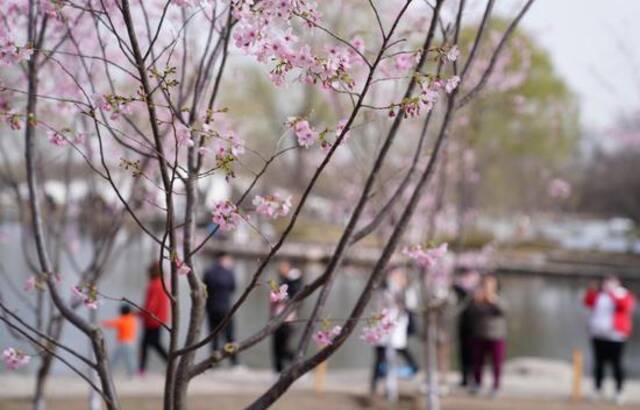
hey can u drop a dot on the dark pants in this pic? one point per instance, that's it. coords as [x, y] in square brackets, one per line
[465, 353]
[215, 318]
[607, 351]
[380, 363]
[282, 353]
[151, 338]
[481, 349]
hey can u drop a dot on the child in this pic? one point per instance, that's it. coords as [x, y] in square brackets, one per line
[125, 326]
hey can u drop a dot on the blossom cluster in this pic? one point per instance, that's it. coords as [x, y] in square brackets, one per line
[559, 188]
[114, 104]
[265, 31]
[10, 52]
[278, 293]
[15, 358]
[272, 206]
[88, 294]
[307, 135]
[325, 337]
[429, 95]
[426, 257]
[225, 144]
[225, 214]
[181, 267]
[378, 326]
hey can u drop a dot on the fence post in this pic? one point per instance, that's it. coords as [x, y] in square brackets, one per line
[318, 381]
[577, 374]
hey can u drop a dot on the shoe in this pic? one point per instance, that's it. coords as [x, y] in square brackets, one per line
[494, 393]
[406, 372]
[474, 390]
[618, 399]
[596, 395]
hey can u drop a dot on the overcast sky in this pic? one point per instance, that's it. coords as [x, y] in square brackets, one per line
[595, 45]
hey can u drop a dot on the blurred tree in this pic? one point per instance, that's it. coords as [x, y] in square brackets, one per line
[610, 185]
[525, 121]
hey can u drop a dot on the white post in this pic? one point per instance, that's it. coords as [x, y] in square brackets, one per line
[433, 396]
[391, 381]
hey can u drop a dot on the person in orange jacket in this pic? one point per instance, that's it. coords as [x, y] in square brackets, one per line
[610, 326]
[155, 313]
[125, 326]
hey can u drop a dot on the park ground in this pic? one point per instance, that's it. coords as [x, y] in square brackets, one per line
[529, 384]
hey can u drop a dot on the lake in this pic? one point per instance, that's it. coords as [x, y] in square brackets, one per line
[546, 316]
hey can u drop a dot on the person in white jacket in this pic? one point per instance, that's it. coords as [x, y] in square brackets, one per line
[393, 299]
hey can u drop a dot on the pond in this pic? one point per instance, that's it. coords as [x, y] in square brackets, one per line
[546, 317]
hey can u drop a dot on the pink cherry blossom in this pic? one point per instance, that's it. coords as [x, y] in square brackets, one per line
[272, 206]
[10, 52]
[559, 188]
[15, 358]
[80, 138]
[380, 324]
[225, 214]
[30, 283]
[56, 138]
[451, 84]
[183, 135]
[279, 294]
[404, 61]
[340, 127]
[425, 257]
[370, 335]
[325, 338]
[307, 136]
[88, 294]
[182, 268]
[453, 53]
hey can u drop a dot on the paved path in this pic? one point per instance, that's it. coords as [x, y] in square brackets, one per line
[522, 390]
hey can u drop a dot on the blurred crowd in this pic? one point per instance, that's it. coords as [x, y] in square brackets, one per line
[469, 314]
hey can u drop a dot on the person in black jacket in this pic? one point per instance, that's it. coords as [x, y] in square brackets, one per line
[220, 283]
[465, 284]
[282, 353]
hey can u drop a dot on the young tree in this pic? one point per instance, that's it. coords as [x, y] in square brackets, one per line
[136, 91]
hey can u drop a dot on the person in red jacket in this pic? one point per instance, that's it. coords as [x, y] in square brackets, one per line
[610, 325]
[154, 315]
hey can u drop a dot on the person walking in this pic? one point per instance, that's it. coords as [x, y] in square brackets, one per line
[155, 314]
[125, 326]
[464, 287]
[220, 282]
[488, 316]
[610, 325]
[281, 341]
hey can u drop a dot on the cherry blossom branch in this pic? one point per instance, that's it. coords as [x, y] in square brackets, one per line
[494, 58]
[345, 239]
[51, 352]
[45, 336]
[249, 288]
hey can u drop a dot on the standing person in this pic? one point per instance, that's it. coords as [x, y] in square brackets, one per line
[282, 353]
[489, 331]
[464, 287]
[125, 326]
[154, 315]
[220, 282]
[610, 326]
[393, 299]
